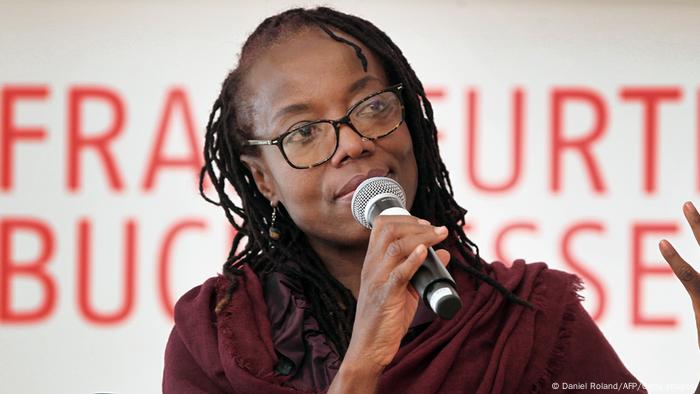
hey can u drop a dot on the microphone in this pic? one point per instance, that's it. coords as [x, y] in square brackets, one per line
[384, 196]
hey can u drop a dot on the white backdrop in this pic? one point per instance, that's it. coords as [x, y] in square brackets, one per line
[608, 74]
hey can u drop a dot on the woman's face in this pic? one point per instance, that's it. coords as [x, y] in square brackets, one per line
[306, 77]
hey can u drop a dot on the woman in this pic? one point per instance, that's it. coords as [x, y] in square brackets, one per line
[312, 301]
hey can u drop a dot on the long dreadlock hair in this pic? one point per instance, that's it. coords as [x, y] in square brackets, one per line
[332, 303]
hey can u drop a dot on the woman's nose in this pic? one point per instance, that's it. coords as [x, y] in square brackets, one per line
[350, 146]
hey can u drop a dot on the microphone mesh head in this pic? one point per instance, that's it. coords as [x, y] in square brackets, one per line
[372, 187]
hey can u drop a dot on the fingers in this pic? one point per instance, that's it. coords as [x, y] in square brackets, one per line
[685, 273]
[402, 246]
[404, 272]
[396, 226]
[387, 229]
[383, 220]
[693, 218]
[393, 238]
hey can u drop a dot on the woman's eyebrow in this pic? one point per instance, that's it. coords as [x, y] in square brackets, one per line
[362, 82]
[290, 109]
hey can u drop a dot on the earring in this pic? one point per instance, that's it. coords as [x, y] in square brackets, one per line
[273, 231]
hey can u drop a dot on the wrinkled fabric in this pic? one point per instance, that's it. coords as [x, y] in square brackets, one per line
[303, 351]
[491, 346]
[310, 359]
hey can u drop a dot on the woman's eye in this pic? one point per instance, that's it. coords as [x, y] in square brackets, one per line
[373, 107]
[305, 131]
[303, 134]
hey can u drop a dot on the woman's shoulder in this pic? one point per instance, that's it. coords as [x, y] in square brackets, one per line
[205, 297]
[564, 334]
[199, 299]
[191, 358]
[564, 331]
[535, 280]
[240, 329]
[538, 269]
[550, 288]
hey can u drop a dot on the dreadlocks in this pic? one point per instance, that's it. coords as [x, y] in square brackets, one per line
[332, 303]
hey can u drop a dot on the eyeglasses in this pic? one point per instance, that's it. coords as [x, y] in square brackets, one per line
[314, 143]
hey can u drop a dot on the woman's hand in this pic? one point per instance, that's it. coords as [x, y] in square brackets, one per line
[687, 275]
[386, 302]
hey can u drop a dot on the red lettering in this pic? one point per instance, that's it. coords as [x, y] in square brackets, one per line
[36, 269]
[583, 145]
[528, 226]
[84, 247]
[580, 268]
[435, 93]
[650, 99]
[77, 141]
[164, 262]
[517, 147]
[192, 161]
[640, 269]
[11, 133]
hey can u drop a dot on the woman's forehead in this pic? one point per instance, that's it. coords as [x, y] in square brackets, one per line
[308, 65]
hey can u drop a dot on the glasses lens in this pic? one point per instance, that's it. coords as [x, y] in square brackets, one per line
[310, 144]
[378, 115]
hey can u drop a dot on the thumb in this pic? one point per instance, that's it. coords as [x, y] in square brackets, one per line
[444, 256]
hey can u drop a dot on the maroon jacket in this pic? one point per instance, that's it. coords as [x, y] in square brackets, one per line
[490, 346]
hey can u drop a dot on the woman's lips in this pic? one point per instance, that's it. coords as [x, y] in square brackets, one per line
[346, 197]
[346, 192]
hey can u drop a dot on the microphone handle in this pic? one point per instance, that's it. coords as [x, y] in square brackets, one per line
[436, 286]
[432, 281]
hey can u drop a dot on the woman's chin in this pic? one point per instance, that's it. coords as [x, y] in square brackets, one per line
[345, 235]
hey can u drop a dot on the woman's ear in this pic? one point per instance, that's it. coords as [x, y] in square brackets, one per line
[261, 176]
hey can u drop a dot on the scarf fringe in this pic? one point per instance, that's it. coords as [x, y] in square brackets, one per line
[228, 321]
[558, 356]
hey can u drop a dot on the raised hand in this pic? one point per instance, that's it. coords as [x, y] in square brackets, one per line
[687, 275]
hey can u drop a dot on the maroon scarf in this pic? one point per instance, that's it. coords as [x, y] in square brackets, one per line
[491, 346]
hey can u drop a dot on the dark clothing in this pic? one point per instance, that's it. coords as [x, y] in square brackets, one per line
[490, 346]
[302, 349]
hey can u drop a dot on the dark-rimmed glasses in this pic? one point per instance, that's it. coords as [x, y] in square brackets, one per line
[314, 143]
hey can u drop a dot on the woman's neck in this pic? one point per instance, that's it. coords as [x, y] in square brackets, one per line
[343, 262]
